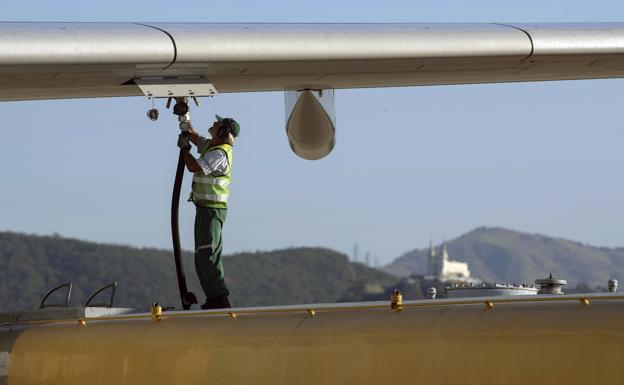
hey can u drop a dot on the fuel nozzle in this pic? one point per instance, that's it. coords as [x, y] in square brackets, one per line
[181, 108]
[185, 122]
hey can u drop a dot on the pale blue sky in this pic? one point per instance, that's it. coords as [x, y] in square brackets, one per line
[537, 157]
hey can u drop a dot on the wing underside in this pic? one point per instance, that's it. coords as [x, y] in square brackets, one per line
[71, 60]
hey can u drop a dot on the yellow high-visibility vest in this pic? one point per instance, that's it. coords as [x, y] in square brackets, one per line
[213, 190]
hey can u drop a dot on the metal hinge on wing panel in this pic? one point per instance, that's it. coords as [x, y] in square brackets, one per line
[175, 87]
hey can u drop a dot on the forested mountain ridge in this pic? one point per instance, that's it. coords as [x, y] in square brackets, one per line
[30, 265]
[502, 255]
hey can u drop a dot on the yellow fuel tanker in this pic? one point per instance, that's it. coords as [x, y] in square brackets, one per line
[548, 339]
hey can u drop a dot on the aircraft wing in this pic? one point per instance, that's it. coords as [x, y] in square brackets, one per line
[308, 61]
[70, 60]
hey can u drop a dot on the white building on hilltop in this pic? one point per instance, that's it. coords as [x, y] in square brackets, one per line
[441, 268]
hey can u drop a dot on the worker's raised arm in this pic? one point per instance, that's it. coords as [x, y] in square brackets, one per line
[191, 162]
[195, 138]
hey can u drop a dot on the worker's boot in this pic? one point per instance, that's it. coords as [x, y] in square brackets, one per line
[218, 303]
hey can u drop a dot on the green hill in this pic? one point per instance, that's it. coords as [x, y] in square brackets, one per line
[30, 265]
[501, 255]
[33, 264]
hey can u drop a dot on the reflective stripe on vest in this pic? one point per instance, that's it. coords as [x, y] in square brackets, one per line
[210, 180]
[210, 190]
[210, 197]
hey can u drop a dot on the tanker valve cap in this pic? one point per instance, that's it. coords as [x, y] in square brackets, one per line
[156, 312]
[396, 300]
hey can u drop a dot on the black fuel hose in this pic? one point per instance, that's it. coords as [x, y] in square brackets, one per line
[187, 297]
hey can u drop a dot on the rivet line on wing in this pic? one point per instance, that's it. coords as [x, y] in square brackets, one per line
[175, 48]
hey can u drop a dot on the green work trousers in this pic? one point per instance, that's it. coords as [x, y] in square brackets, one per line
[208, 248]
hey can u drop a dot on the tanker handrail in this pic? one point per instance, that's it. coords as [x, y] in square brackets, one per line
[313, 309]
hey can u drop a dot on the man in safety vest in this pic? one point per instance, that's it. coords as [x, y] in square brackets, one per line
[211, 189]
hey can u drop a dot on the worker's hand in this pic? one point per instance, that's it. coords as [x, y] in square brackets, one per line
[190, 128]
[183, 142]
